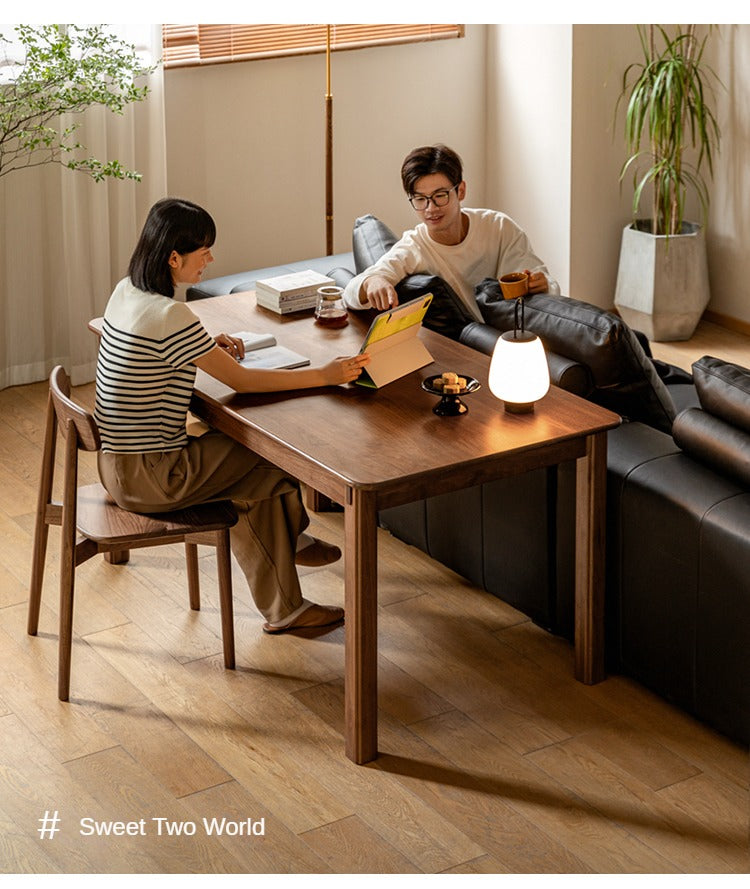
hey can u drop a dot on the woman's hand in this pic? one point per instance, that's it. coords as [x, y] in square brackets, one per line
[231, 344]
[344, 370]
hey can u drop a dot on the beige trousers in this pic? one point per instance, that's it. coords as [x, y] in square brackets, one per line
[214, 467]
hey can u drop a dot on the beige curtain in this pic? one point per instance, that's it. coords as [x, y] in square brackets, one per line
[65, 240]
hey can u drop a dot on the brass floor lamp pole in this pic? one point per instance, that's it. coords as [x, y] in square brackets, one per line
[329, 147]
[314, 500]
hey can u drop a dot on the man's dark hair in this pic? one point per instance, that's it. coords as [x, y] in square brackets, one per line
[171, 224]
[428, 160]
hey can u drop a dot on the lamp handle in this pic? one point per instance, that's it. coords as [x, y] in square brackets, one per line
[518, 309]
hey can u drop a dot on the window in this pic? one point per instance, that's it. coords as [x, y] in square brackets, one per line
[186, 45]
[13, 53]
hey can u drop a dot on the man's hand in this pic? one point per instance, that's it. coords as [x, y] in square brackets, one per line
[377, 293]
[537, 282]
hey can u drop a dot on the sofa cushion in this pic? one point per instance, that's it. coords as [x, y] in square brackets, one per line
[658, 531]
[446, 314]
[714, 442]
[723, 390]
[722, 644]
[340, 276]
[625, 380]
[371, 238]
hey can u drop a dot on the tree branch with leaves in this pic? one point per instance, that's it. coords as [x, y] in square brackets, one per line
[65, 69]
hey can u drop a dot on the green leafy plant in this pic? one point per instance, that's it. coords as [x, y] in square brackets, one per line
[668, 112]
[64, 70]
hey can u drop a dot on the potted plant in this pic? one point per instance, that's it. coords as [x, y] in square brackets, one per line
[671, 136]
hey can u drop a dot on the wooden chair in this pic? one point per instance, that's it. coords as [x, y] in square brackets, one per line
[107, 529]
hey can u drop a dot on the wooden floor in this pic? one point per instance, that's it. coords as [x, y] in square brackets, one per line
[708, 339]
[494, 760]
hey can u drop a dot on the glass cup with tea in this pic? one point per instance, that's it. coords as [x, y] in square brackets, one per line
[330, 310]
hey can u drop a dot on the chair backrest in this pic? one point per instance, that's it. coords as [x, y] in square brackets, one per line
[68, 412]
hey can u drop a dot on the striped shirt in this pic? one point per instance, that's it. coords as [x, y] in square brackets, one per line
[145, 371]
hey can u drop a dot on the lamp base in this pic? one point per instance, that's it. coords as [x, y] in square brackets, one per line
[513, 407]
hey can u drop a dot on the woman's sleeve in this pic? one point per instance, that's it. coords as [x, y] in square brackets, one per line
[189, 341]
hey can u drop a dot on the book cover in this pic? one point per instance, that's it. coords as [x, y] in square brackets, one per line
[294, 284]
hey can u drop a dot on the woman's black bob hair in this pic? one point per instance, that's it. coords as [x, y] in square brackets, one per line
[172, 224]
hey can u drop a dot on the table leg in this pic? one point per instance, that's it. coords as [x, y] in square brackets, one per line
[361, 628]
[591, 492]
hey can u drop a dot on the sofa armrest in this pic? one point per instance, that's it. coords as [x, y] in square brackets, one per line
[479, 336]
[570, 375]
[563, 372]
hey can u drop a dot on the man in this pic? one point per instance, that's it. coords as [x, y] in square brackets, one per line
[462, 246]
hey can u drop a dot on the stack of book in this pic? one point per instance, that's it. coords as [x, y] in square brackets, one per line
[291, 293]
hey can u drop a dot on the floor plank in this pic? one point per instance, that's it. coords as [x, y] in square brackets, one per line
[350, 846]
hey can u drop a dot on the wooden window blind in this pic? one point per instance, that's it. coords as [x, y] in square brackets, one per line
[188, 45]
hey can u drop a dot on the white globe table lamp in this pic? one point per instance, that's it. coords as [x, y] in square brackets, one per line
[519, 374]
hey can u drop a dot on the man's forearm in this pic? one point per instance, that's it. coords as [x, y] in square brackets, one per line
[395, 265]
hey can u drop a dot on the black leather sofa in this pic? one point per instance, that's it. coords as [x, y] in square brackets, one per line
[678, 507]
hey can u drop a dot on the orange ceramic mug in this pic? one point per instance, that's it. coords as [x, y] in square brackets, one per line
[514, 285]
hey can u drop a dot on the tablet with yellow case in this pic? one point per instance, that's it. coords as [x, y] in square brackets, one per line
[393, 344]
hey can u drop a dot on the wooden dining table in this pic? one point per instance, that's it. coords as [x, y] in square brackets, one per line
[368, 449]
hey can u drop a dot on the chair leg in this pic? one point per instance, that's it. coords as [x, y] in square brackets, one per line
[194, 591]
[41, 533]
[41, 528]
[224, 564]
[67, 563]
[65, 637]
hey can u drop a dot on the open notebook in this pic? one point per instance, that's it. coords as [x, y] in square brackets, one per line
[262, 351]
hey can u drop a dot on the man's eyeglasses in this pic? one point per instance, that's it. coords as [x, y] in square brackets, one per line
[437, 198]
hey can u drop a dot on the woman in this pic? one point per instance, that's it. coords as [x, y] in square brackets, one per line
[149, 351]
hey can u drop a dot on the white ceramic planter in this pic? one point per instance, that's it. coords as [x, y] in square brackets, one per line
[662, 283]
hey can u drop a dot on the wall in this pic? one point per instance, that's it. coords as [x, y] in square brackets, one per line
[530, 109]
[528, 135]
[247, 140]
[599, 208]
[728, 233]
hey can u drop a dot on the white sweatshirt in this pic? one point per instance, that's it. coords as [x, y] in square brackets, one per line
[494, 245]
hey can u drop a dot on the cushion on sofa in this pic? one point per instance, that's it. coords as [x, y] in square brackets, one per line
[371, 238]
[714, 442]
[446, 314]
[341, 276]
[723, 390]
[625, 380]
